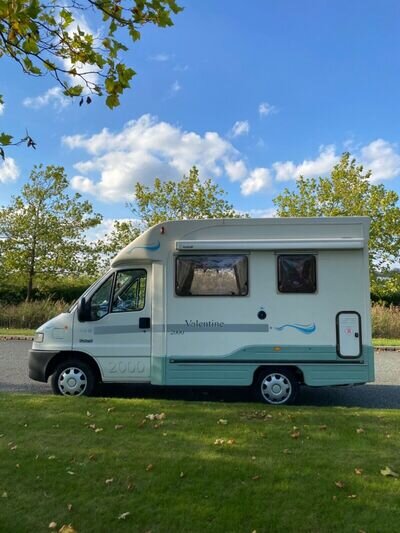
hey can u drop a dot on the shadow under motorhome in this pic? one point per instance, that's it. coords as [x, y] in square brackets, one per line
[272, 303]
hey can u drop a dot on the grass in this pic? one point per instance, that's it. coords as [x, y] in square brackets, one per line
[385, 321]
[16, 331]
[276, 469]
[386, 342]
[29, 315]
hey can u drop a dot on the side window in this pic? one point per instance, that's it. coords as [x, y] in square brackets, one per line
[297, 273]
[211, 275]
[129, 291]
[100, 301]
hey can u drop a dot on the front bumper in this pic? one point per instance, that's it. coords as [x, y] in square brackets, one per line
[38, 363]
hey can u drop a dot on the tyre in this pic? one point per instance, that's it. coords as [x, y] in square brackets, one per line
[276, 386]
[73, 378]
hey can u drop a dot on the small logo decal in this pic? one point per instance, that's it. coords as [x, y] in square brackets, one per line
[150, 247]
[304, 328]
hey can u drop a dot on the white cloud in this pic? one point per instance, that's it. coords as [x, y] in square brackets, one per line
[309, 168]
[269, 212]
[144, 149]
[175, 87]
[381, 157]
[53, 96]
[160, 57]
[265, 109]
[9, 170]
[241, 127]
[259, 179]
[236, 170]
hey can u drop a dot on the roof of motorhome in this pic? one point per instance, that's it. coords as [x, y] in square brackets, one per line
[246, 234]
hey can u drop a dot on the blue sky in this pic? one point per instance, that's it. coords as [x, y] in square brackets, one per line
[254, 93]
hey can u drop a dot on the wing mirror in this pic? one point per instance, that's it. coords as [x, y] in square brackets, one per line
[83, 310]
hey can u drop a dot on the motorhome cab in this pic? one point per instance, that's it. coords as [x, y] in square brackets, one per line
[271, 303]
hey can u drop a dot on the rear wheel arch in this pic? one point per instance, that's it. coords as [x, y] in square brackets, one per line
[294, 369]
[275, 384]
[80, 356]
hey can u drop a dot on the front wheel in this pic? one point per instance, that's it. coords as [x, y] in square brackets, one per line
[276, 386]
[73, 378]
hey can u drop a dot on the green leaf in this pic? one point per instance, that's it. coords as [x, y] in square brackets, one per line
[5, 139]
[112, 101]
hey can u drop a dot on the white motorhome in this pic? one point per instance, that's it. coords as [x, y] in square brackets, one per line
[271, 303]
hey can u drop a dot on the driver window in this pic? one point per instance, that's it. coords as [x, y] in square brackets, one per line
[129, 291]
[100, 301]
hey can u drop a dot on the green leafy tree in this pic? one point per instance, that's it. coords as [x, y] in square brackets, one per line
[51, 38]
[348, 191]
[189, 198]
[43, 230]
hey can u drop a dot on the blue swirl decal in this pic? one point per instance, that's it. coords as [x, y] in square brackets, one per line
[304, 328]
[150, 247]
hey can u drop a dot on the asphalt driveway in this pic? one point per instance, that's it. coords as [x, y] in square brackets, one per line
[384, 393]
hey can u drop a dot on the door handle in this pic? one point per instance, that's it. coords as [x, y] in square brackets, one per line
[144, 322]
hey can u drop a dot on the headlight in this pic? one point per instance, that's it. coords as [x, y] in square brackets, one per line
[39, 337]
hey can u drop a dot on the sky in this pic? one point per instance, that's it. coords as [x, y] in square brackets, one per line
[252, 93]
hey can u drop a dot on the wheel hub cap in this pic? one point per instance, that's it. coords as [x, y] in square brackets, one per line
[72, 382]
[276, 388]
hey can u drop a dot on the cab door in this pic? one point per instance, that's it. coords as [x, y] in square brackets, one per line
[118, 330]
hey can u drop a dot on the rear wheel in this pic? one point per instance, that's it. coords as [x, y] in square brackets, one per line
[73, 378]
[276, 386]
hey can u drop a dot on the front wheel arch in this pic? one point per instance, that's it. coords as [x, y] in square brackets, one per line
[80, 356]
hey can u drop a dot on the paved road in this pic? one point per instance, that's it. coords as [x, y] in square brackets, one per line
[384, 393]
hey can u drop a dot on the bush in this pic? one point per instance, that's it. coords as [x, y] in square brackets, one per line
[385, 322]
[29, 314]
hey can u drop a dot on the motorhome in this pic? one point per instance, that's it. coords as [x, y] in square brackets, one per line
[269, 303]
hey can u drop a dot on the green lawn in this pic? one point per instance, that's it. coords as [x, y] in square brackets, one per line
[386, 342]
[204, 467]
[16, 331]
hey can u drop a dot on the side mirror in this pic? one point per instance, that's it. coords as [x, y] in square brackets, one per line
[83, 310]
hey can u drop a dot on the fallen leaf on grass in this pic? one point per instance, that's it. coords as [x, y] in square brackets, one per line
[70, 472]
[255, 478]
[92, 457]
[69, 507]
[156, 416]
[118, 426]
[92, 426]
[222, 422]
[218, 442]
[110, 409]
[88, 413]
[295, 434]
[51, 457]
[339, 484]
[358, 471]
[387, 471]
[360, 430]
[14, 447]
[149, 467]
[131, 486]
[182, 474]
[52, 525]
[230, 441]
[324, 426]
[4, 495]
[286, 450]
[352, 496]
[67, 529]
[123, 516]
[97, 430]
[108, 481]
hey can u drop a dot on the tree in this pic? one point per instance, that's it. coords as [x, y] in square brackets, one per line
[43, 229]
[348, 191]
[189, 198]
[52, 38]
